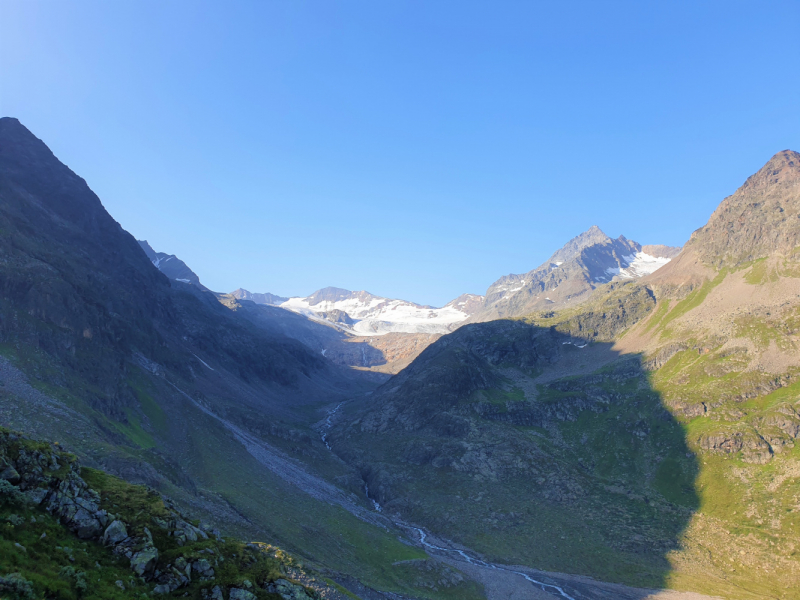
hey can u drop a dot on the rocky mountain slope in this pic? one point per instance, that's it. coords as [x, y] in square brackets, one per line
[72, 532]
[267, 298]
[568, 278]
[171, 265]
[663, 412]
[571, 274]
[380, 354]
[328, 332]
[156, 381]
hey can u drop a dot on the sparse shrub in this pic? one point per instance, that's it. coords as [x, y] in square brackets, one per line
[80, 583]
[11, 493]
[15, 587]
[77, 577]
[15, 520]
[67, 572]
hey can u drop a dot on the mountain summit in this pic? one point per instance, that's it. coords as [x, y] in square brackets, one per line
[759, 219]
[572, 272]
[172, 266]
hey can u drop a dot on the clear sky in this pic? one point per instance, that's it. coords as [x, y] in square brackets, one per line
[413, 149]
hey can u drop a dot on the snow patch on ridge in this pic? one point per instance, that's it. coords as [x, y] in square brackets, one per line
[638, 265]
[377, 316]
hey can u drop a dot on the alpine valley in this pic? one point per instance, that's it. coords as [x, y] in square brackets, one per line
[619, 422]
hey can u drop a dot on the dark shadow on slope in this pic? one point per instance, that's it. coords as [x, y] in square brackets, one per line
[533, 446]
[86, 315]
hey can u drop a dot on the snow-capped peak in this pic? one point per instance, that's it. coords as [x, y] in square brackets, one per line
[376, 315]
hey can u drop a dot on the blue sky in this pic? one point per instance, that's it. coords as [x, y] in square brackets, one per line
[413, 149]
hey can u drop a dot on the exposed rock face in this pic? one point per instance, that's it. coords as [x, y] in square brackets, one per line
[571, 274]
[172, 266]
[267, 298]
[286, 590]
[66, 495]
[661, 251]
[53, 479]
[761, 218]
[143, 563]
[337, 316]
[115, 533]
[754, 448]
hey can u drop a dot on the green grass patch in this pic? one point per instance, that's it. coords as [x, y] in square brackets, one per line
[693, 300]
[658, 314]
[57, 563]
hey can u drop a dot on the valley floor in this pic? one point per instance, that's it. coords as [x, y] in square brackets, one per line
[500, 585]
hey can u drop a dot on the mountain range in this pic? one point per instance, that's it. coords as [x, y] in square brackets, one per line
[620, 421]
[574, 271]
[587, 261]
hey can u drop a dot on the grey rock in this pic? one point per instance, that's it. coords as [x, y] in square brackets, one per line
[102, 517]
[10, 474]
[144, 561]
[288, 590]
[115, 533]
[203, 568]
[162, 588]
[85, 525]
[240, 594]
[36, 495]
[119, 584]
[216, 593]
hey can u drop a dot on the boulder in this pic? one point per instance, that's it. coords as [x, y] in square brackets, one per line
[115, 533]
[10, 474]
[240, 594]
[144, 561]
[203, 568]
[36, 496]
[85, 525]
[288, 590]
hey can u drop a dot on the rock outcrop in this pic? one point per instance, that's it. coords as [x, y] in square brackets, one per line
[40, 474]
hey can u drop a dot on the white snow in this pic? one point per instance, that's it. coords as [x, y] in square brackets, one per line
[157, 262]
[639, 265]
[205, 364]
[377, 316]
[520, 285]
[183, 280]
[574, 344]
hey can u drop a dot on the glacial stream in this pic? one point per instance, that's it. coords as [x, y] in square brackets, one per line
[423, 537]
